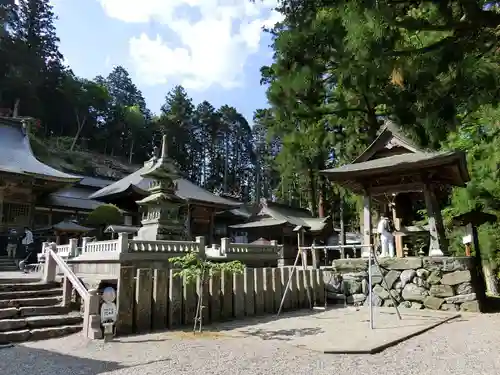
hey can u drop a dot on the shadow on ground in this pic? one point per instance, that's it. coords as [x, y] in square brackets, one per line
[26, 360]
[282, 334]
[219, 329]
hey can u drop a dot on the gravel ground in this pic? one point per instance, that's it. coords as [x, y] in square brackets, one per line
[467, 346]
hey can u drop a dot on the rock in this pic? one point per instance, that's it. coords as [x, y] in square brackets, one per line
[381, 292]
[421, 282]
[356, 298]
[410, 263]
[441, 291]
[417, 306]
[376, 275]
[406, 277]
[434, 277]
[334, 283]
[405, 304]
[389, 303]
[433, 303]
[376, 301]
[423, 273]
[411, 292]
[461, 298]
[470, 306]
[398, 285]
[448, 264]
[464, 288]
[364, 287]
[391, 278]
[455, 278]
[335, 296]
[351, 286]
[355, 275]
[350, 265]
[396, 295]
[449, 307]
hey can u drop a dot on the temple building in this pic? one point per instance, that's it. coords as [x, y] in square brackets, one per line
[280, 222]
[200, 205]
[394, 173]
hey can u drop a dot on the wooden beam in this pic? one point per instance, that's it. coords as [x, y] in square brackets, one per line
[394, 189]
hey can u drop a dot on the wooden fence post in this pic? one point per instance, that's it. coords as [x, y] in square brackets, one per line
[238, 295]
[214, 290]
[267, 278]
[160, 299]
[125, 300]
[174, 300]
[259, 291]
[249, 282]
[227, 295]
[143, 298]
[276, 275]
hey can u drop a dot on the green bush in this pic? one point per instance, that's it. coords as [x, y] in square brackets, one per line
[107, 214]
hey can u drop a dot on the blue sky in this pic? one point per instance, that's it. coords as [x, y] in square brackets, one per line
[214, 48]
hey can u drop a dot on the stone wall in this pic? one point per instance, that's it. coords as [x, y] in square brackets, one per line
[438, 283]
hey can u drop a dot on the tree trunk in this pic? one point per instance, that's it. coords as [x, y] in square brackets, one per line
[490, 280]
[312, 192]
[80, 127]
[131, 152]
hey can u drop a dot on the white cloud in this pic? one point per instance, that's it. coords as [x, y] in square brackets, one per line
[213, 49]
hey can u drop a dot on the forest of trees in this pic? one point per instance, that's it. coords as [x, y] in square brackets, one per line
[214, 147]
[339, 68]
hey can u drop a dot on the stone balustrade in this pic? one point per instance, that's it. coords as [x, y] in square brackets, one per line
[124, 245]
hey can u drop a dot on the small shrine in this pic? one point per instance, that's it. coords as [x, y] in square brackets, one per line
[161, 214]
[395, 172]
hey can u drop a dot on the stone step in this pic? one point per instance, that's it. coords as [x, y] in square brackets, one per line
[9, 268]
[14, 312]
[38, 333]
[30, 293]
[23, 302]
[34, 322]
[21, 287]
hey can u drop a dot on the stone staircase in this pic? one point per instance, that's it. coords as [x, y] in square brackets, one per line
[7, 265]
[33, 311]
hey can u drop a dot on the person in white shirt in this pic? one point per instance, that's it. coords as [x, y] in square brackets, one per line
[384, 229]
[28, 237]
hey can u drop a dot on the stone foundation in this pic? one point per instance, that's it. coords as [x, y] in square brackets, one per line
[438, 283]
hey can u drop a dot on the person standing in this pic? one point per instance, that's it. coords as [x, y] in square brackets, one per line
[12, 244]
[385, 231]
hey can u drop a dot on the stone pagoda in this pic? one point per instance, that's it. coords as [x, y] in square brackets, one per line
[161, 218]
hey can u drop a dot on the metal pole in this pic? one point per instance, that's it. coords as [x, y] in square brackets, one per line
[370, 300]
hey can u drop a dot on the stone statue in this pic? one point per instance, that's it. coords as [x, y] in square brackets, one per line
[385, 231]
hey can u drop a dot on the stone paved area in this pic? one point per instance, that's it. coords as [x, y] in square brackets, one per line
[467, 346]
[321, 331]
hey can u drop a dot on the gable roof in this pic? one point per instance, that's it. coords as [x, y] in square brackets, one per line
[135, 182]
[407, 157]
[275, 214]
[16, 155]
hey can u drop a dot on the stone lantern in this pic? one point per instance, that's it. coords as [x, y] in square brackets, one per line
[161, 214]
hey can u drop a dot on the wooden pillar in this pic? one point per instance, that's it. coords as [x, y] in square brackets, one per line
[188, 223]
[212, 226]
[438, 245]
[367, 224]
[398, 237]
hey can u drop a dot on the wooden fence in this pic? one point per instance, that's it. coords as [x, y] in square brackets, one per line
[153, 299]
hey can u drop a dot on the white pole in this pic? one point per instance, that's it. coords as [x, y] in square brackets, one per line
[370, 301]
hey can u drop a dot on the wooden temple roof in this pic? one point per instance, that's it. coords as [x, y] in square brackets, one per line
[273, 214]
[394, 161]
[137, 184]
[16, 155]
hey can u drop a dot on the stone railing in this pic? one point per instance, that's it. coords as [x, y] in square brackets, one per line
[90, 298]
[139, 246]
[125, 245]
[248, 248]
[100, 246]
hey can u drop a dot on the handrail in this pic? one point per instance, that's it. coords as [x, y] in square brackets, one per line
[75, 281]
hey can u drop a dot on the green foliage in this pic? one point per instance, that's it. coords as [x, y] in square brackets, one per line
[192, 267]
[107, 214]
